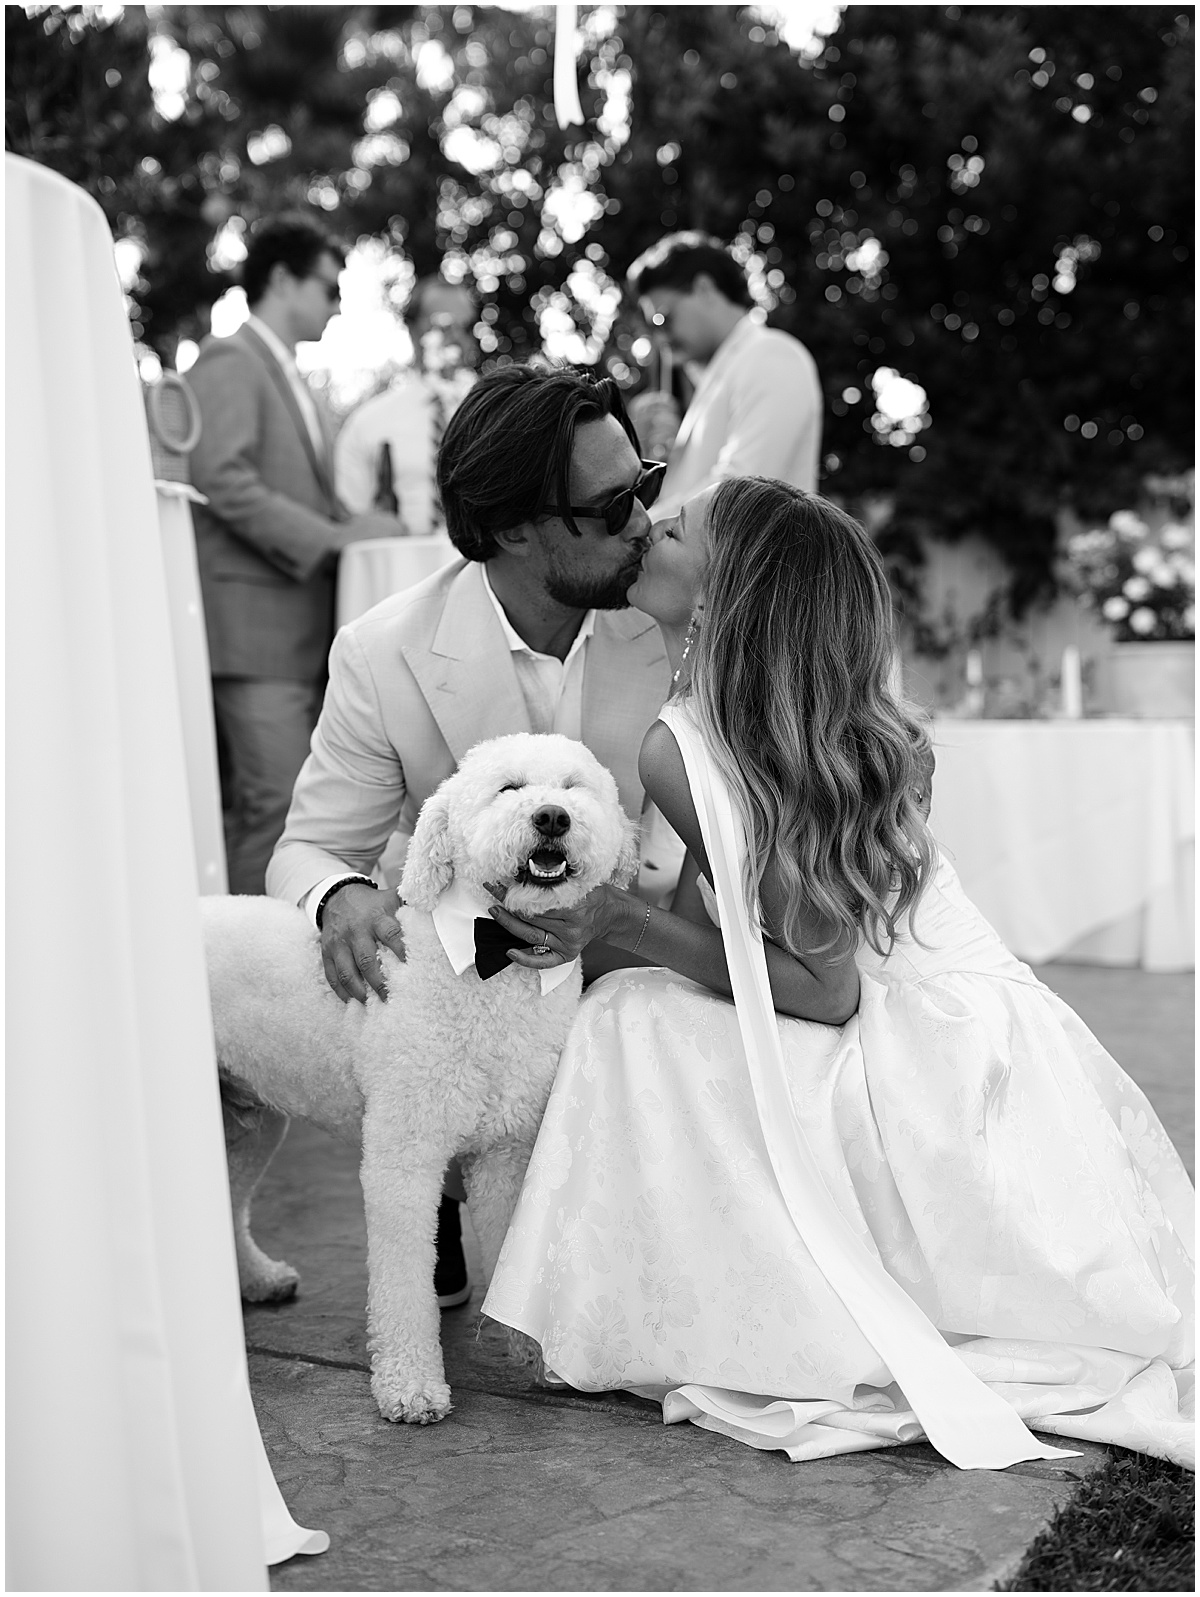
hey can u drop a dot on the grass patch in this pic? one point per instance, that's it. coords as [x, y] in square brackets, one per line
[1131, 1528]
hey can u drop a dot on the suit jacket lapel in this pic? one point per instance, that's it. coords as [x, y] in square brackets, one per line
[323, 466]
[466, 673]
[705, 388]
[284, 389]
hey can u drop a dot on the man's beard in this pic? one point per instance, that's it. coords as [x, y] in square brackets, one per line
[610, 592]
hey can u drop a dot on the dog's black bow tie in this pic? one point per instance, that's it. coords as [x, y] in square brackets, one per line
[492, 944]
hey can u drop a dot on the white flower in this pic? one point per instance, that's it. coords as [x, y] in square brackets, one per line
[1135, 588]
[1128, 524]
[1173, 535]
[1115, 609]
[1143, 621]
[1145, 559]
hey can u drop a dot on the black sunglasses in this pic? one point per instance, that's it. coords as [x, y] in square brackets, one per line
[616, 513]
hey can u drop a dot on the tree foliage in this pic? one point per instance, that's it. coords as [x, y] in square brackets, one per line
[992, 201]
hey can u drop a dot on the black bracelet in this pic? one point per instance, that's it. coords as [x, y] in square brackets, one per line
[336, 888]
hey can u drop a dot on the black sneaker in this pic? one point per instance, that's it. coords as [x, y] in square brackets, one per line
[450, 1278]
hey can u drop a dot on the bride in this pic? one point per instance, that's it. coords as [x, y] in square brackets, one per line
[894, 1188]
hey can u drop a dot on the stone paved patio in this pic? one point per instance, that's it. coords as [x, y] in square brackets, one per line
[522, 1489]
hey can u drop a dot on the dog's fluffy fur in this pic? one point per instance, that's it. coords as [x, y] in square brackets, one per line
[450, 1065]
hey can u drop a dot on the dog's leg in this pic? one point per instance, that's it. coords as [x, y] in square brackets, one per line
[401, 1188]
[493, 1181]
[253, 1133]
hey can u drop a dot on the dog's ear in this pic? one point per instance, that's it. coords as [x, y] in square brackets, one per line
[428, 868]
[629, 857]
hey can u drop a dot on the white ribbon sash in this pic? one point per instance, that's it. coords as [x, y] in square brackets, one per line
[966, 1421]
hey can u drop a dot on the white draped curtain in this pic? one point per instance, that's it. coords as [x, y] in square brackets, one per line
[134, 1460]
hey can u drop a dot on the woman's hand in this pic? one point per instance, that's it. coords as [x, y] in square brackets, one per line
[543, 941]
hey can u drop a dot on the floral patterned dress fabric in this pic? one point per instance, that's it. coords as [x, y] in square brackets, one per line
[979, 1140]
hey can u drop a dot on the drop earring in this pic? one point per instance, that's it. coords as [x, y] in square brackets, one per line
[689, 637]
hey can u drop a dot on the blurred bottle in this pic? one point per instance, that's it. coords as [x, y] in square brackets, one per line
[385, 482]
[655, 416]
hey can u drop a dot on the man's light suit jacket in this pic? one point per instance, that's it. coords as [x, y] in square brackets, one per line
[265, 540]
[415, 683]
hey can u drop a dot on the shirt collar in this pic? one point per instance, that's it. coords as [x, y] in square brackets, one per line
[454, 917]
[274, 343]
[517, 644]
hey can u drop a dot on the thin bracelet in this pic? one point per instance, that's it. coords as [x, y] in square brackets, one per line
[336, 888]
[642, 933]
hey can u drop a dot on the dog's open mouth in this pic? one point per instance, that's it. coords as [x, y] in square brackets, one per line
[546, 867]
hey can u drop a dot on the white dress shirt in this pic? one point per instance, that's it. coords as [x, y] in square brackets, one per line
[296, 383]
[553, 694]
[552, 688]
[757, 411]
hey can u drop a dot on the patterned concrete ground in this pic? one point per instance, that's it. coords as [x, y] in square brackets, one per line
[522, 1489]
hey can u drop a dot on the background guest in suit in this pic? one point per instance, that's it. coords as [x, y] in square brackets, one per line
[269, 537]
[411, 415]
[757, 406]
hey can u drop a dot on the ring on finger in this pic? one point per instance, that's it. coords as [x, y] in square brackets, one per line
[543, 948]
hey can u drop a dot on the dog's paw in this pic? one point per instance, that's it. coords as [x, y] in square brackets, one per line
[414, 1402]
[270, 1282]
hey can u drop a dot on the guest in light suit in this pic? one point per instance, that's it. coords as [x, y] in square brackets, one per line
[756, 410]
[545, 499]
[269, 537]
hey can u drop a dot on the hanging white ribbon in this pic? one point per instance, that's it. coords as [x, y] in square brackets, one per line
[966, 1421]
[567, 110]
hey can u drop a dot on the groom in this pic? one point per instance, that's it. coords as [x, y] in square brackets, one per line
[545, 499]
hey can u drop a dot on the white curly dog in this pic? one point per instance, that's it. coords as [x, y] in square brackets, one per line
[451, 1065]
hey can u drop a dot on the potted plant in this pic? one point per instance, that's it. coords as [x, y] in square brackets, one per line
[1139, 574]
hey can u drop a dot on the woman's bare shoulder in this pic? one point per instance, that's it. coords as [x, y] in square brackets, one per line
[664, 776]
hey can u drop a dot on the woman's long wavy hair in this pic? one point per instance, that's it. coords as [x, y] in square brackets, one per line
[790, 686]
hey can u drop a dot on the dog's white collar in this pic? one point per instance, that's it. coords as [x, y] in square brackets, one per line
[454, 917]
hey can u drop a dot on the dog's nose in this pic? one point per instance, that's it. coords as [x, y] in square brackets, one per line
[552, 821]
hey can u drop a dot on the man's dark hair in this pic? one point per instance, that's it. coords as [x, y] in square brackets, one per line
[506, 454]
[295, 241]
[677, 260]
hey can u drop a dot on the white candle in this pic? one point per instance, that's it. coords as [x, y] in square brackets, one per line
[1072, 683]
[974, 668]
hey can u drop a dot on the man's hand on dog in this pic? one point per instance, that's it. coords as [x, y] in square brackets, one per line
[565, 933]
[358, 920]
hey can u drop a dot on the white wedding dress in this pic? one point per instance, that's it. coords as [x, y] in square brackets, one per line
[951, 1215]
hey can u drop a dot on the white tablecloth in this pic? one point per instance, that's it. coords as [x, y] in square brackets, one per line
[371, 570]
[1076, 839]
[190, 644]
[139, 1464]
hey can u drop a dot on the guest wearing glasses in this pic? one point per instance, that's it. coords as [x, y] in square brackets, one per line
[755, 406]
[269, 537]
[546, 499]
